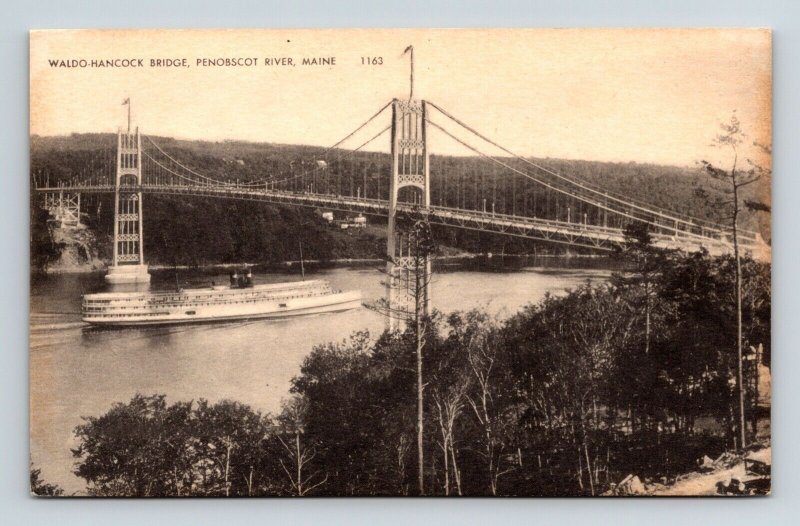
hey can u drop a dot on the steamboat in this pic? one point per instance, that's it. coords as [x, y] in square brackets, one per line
[241, 300]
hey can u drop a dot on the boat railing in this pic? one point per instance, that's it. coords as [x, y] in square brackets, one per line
[182, 295]
[90, 305]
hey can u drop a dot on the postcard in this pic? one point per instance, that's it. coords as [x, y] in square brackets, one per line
[386, 262]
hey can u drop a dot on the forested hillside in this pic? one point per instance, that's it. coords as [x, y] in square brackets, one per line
[195, 230]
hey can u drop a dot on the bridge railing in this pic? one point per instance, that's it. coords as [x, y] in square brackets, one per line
[703, 236]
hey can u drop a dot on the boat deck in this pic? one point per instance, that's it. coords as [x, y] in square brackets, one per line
[216, 303]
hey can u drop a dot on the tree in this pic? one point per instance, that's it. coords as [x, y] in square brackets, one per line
[449, 383]
[481, 352]
[414, 278]
[735, 179]
[40, 487]
[349, 418]
[647, 261]
[44, 249]
[422, 247]
[638, 287]
[228, 435]
[693, 359]
[124, 452]
[292, 423]
[566, 358]
[146, 448]
[179, 424]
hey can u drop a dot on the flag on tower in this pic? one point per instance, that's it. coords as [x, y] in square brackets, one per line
[126, 101]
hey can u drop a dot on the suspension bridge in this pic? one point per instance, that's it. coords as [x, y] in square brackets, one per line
[490, 189]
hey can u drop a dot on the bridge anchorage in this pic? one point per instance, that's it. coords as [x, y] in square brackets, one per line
[128, 264]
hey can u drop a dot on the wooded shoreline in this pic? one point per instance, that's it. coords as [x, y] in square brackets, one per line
[331, 262]
[566, 397]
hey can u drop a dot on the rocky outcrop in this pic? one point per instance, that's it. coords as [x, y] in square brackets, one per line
[79, 250]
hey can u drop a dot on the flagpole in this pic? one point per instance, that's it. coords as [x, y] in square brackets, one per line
[129, 115]
[411, 96]
[411, 49]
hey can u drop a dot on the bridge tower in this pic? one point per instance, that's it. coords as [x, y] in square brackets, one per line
[410, 169]
[128, 264]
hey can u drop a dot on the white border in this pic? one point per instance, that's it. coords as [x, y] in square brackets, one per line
[20, 16]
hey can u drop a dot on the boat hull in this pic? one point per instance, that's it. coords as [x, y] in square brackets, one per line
[335, 302]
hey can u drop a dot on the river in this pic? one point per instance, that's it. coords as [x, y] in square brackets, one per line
[77, 371]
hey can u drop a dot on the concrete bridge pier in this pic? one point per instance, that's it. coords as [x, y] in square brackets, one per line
[124, 274]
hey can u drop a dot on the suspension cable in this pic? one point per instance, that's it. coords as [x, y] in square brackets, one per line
[198, 183]
[549, 185]
[339, 158]
[201, 183]
[587, 186]
[624, 201]
[328, 149]
[359, 128]
[260, 182]
[168, 156]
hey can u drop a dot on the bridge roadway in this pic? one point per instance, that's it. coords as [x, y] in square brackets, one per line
[553, 231]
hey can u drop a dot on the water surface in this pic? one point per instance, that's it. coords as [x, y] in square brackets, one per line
[80, 371]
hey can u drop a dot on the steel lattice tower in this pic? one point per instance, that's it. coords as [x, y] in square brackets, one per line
[128, 259]
[410, 168]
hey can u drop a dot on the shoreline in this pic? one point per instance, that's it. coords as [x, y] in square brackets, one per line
[337, 261]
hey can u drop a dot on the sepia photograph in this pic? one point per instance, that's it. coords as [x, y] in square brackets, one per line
[400, 262]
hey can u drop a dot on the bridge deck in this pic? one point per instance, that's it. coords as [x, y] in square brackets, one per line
[554, 231]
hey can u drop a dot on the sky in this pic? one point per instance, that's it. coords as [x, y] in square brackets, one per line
[640, 95]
